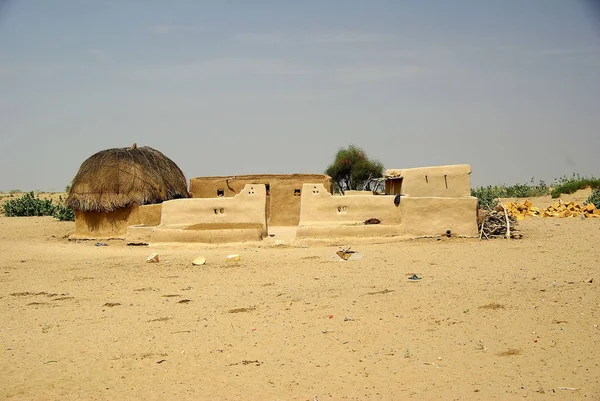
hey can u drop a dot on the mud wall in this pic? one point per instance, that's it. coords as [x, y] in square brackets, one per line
[102, 225]
[324, 215]
[320, 208]
[107, 225]
[433, 216]
[284, 195]
[214, 220]
[442, 181]
[146, 215]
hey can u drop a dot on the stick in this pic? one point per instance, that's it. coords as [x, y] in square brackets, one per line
[482, 224]
[568, 388]
[507, 222]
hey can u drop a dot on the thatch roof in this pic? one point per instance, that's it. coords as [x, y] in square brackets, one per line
[121, 177]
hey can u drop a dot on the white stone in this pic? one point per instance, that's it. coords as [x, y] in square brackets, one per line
[199, 261]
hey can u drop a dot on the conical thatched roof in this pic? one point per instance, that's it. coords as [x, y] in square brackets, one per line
[120, 177]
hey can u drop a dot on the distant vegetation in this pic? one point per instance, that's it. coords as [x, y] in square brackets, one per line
[31, 205]
[488, 196]
[595, 198]
[569, 185]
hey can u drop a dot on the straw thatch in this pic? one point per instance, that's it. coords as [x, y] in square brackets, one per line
[122, 177]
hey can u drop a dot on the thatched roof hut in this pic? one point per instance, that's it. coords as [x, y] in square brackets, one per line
[121, 177]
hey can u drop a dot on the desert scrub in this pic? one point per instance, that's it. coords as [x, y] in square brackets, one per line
[31, 205]
[569, 185]
[62, 212]
[488, 196]
[595, 198]
[28, 205]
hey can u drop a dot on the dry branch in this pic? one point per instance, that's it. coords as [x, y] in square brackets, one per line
[497, 224]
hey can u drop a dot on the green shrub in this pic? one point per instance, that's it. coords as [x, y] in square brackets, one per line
[30, 205]
[488, 196]
[595, 198]
[63, 213]
[569, 185]
[530, 190]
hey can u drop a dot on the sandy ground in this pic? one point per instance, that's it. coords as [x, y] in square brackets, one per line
[490, 320]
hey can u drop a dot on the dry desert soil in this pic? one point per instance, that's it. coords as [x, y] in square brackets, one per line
[489, 320]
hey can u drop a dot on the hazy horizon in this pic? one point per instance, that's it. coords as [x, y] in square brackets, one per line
[511, 88]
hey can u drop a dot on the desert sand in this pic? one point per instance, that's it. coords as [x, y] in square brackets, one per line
[489, 320]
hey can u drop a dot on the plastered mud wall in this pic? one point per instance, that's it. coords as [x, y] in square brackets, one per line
[423, 216]
[108, 225]
[146, 215]
[101, 225]
[353, 192]
[284, 195]
[440, 181]
[214, 220]
[320, 208]
[323, 215]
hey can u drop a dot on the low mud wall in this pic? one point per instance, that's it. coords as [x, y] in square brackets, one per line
[323, 215]
[214, 220]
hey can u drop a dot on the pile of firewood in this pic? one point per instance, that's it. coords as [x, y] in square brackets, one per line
[497, 223]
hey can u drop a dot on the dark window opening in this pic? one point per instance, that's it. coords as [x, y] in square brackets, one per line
[268, 187]
[297, 192]
[220, 192]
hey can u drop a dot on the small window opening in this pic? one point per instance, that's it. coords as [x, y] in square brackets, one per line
[268, 187]
[220, 192]
[446, 180]
[426, 179]
[296, 192]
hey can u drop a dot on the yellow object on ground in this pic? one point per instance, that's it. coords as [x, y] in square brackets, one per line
[559, 209]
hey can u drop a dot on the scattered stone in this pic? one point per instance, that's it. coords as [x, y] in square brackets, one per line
[372, 221]
[235, 258]
[559, 209]
[199, 261]
[153, 258]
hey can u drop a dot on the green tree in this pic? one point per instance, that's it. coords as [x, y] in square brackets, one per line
[353, 170]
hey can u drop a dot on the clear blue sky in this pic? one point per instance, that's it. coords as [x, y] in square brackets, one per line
[511, 87]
